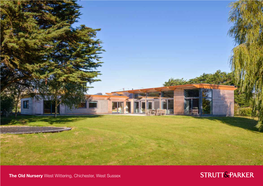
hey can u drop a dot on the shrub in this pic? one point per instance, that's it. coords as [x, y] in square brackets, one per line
[236, 109]
[7, 104]
[245, 111]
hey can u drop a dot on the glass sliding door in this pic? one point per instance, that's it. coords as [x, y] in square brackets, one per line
[195, 107]
[207, 95]
[136, 107]
[187, 106]
[164, 104]
[207, 106]
[49, 107]
[142, 107]
[170, 106]
[128, 108]
[114, 107]
[191, 106]
[198, 102]
[117, 107]
[191, 102]
[121, 107]
[150, 105]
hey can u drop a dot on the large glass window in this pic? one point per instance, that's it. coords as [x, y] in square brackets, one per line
[207, 93]
[150, 105]
[49, 107]
[114, 107]
[164, 106]
[117, 107]
[195, 103]
[153, 95]
[142, 107]
[191, 93]
[187, 106]
[168, 94]
[170, 109]
[26, 104]
[168, 105]
[207, 106]
[207, 101]
[136, 107]
[128, 107]
[191, 102]
[93, 104]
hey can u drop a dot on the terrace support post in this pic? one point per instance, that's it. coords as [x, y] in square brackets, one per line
[174, 102]
[109, 106]
[200, 102]
[160, 100]
[124, 107]
[132, 106]
[146, 105]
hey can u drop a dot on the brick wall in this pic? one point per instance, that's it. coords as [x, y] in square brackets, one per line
[223, 102]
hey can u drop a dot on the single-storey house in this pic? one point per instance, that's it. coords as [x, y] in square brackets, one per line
[190, 99]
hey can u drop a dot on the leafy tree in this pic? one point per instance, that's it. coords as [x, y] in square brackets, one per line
[38, 40]
[17, 90]
[217, 78]
[247, 58]
[69, 94]
[173, 82]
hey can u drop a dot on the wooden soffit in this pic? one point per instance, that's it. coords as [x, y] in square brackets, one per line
[188, 86]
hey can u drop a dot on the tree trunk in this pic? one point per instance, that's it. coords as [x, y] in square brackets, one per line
[56, 106]
[16, 109]
[18, 98]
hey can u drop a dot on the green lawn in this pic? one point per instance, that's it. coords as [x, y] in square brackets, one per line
[131, 140]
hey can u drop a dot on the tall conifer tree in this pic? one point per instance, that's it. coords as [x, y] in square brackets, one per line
[38, 41]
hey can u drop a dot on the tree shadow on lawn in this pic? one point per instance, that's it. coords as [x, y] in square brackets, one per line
[241, 122]
[24, 120]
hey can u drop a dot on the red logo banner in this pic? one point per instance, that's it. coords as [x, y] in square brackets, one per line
[131, 175]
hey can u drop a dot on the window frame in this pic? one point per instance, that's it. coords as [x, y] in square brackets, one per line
[207, 98]
[93, 102]
[83, 107]
[201, 97]
[26, 101]
[185, 90]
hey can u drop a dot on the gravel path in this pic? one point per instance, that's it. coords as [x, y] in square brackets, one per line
[30, 130]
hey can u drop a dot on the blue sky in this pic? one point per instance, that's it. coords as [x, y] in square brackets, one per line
[148, 42]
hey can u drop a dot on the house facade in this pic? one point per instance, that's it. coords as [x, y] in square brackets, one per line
[191, 99]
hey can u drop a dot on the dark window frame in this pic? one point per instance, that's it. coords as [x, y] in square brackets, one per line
[167, 94]
[192, 96]
[208, 98]
[201, 97]
[27, 104]
[93, 103]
